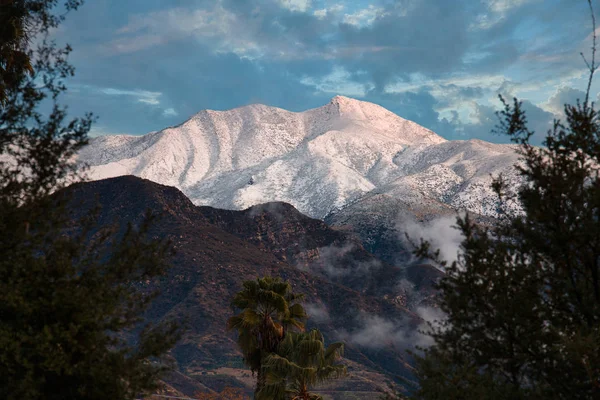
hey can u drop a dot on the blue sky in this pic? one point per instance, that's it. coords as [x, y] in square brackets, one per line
[143, 65]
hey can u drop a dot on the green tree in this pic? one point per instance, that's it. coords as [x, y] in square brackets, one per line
[269, 310]
[301, 362]
[67, 288]
[523, 299]
[14, 60]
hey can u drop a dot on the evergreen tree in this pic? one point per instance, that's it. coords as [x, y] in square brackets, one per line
[14, 59]
[67, 288]
[523, 299]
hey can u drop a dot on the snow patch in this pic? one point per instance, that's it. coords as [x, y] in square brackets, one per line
[319, 160]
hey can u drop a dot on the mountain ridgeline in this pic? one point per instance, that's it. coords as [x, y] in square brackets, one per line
[319, 161]
[347, 288]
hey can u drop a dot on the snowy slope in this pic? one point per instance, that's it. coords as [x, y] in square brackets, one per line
[319, 160]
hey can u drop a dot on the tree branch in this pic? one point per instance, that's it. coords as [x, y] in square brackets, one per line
[591, 66]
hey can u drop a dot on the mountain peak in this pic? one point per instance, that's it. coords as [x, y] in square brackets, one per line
[346, 105]
[318, 160]
[360, 110]
[339, 99]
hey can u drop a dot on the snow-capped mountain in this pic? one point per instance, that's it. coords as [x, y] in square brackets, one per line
[319, 160]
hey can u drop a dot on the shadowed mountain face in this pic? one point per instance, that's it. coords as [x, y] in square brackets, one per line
[309, 245]
[381, 221]
[350, 294]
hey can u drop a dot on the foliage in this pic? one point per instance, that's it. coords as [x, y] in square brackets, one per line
[301, 362]
[14, 61]
[269, 311]
[67, 288]
[35, 147]
[523, 300]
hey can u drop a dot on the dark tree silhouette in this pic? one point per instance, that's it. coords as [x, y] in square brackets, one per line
[523, 300]
[67, 288]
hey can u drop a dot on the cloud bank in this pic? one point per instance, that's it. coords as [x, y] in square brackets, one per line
[375, 331]
[145, 65]
[440, 233]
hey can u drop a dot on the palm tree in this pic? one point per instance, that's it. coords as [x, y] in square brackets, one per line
[301, 362]
[269, 310]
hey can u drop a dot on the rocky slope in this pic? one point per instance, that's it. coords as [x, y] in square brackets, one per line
[217, 250]
[309, 245]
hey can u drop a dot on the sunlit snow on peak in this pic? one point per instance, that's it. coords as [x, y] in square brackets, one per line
[318, 160]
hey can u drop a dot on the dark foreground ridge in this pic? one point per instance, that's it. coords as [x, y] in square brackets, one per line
[216, 250]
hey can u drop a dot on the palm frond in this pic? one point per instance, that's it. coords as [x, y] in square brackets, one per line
[305, 361]
[334, 352]
[297, 311]
[267, 310]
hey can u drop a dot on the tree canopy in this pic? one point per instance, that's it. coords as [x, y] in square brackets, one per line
[67, 287]
[523, 299]
[269, 310]
[301, 362]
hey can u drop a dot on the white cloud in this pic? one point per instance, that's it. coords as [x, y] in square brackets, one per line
[296, 5]
[503, 6]
[324, 12]
[133, 44]
[142, 96]
[200, 22]
[317, 312]
[488, 82]
[217, 25]
[374, 331]
[170, 112]
[451, 92]
[218, 28]
[440, 233]
[329, 262]
[447, 90]
[365, 16]
[337, 82]
[497, 11]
